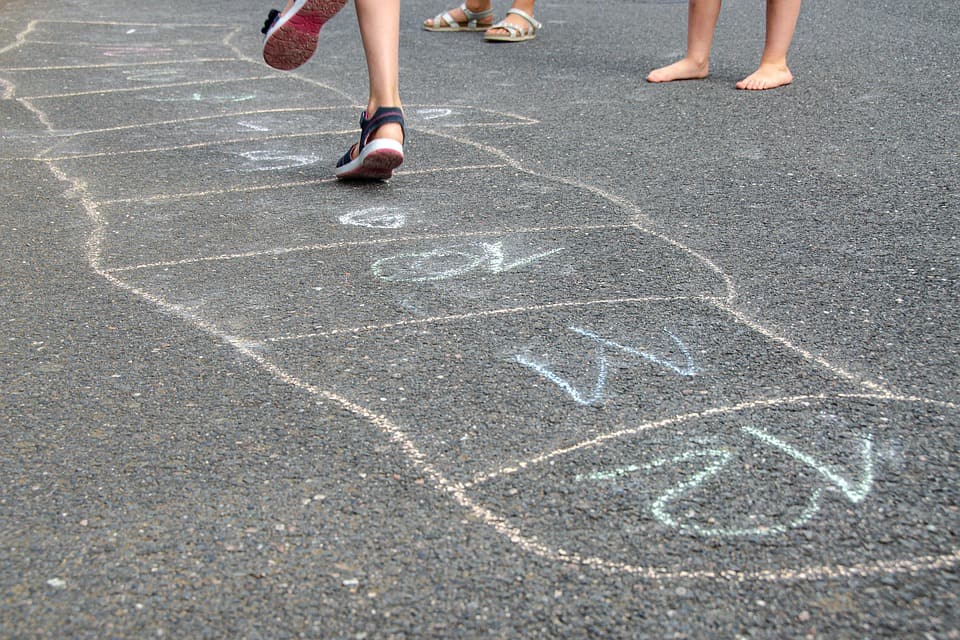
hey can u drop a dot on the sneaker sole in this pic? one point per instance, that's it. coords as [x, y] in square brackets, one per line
[377, 162]
[293, 39]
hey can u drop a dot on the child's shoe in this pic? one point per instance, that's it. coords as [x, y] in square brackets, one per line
[290, 37]
[375, 159]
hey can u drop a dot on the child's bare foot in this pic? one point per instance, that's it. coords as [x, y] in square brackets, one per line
[685, 69]
[768, 76]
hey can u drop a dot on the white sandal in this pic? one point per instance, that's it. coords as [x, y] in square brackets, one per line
[513, 32]
[445, 22]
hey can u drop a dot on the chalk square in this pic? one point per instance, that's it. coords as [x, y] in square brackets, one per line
[518, 384]
[333, 287]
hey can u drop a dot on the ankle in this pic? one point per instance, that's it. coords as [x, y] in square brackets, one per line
[478, 5]
[373, 106]
[775, 63]
[524, 5]
[378, 99]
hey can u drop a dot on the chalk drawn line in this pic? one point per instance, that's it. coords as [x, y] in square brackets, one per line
[592, 443]
[457, 491]
[487, 313]
[195, 145]
[284, 185]
[363, 243]
[713, 464]
[188, 120]
[20, 38]
[146, 88]
[117, 65]
[173, 26]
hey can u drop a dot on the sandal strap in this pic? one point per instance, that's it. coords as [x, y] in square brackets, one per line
[512, 29]
[447, 19]
[382, 116]
[516, 30]
[473, 17]
[526, 16]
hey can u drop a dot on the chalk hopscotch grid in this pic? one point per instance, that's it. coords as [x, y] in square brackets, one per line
[456, 490]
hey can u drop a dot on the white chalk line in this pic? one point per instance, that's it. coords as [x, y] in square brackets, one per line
[115, 65]
[461, 317]
[707, 262]
[457, 491]
[822, 362]
[195, 145]
[763, 403]
[284, 185]
[362, 243]
[153, 87]
[181, 121]
[20, 38]
[39, 113]
[215, 143]
[140, 47]
[120, 23]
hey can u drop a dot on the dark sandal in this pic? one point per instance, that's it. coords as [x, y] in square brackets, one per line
[290, 38]
[376, 159]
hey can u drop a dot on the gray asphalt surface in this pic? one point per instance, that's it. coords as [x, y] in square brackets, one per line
[604, 359]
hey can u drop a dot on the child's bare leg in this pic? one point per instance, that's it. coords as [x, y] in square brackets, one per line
[701, 21]
[379, 22]
[773, 72]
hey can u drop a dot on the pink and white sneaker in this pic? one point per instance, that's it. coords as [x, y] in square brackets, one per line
[290, 37]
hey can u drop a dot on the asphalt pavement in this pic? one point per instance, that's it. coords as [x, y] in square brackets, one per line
[603, 359]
